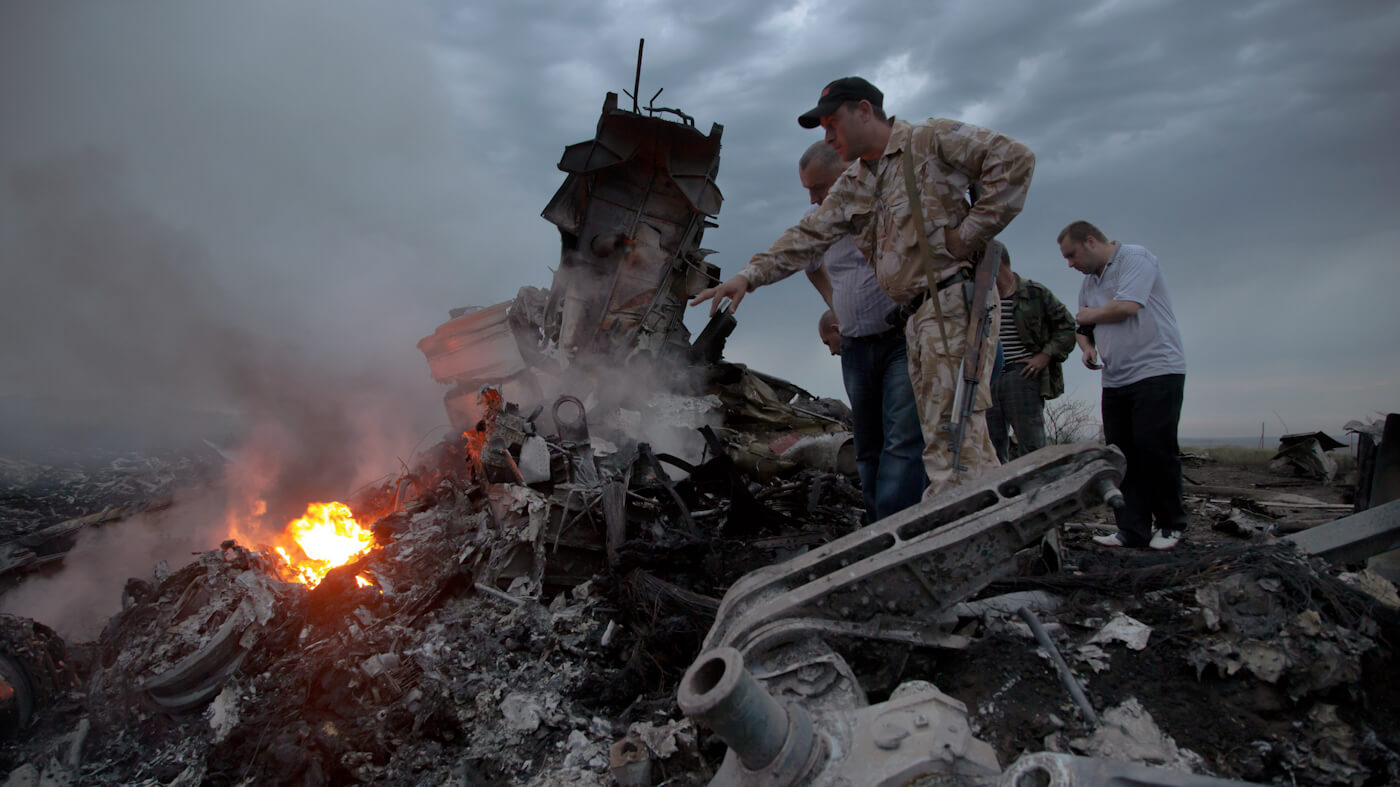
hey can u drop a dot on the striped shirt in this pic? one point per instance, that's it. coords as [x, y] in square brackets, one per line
[1011, 346]
[860, 305]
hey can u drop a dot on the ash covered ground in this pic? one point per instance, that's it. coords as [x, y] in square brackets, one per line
[484, 655]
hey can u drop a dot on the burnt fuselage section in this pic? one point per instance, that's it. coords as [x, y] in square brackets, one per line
[631, 214]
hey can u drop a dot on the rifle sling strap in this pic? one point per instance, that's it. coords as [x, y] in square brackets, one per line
[916, 207]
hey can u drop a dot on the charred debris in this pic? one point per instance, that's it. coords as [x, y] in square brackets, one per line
[636, 563]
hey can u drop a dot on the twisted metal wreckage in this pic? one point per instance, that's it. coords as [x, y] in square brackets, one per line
[773, 680]
[631, 214]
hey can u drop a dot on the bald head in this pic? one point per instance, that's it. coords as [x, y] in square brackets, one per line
[830, 331]
[818, 168]
[822, 154]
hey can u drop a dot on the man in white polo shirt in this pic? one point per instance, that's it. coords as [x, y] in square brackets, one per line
[1127, 329]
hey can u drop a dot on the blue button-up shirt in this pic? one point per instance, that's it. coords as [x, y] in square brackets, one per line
[860, 305]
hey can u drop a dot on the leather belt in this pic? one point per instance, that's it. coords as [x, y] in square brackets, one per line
[957, 277]
[883, 336]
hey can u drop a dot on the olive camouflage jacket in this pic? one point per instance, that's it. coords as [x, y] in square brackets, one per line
[1044, 325]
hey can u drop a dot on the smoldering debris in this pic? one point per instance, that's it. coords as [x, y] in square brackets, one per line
[501, 639]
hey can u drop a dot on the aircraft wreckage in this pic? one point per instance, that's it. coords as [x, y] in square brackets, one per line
[527, 603]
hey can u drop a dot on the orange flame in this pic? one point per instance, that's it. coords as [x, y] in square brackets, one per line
[328, 536]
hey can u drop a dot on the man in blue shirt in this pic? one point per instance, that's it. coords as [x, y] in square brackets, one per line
[1127, 329]
[874, 360]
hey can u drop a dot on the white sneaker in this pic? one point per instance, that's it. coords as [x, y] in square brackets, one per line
[1111, 540]
[1163, 540]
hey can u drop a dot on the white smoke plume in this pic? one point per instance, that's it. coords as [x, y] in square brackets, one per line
[252, 209]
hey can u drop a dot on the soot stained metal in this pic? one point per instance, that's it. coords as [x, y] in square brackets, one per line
[631, 214]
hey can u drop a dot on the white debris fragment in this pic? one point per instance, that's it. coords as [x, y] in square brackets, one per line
[25, 775]
[380, 663]
[1096, 657]
[580, 749]
[1122, 628]
[666, 740]
[1128, 733]
[258, 600]
[1006, 605]
[1374, 584]
[522, 712]
[223, 713]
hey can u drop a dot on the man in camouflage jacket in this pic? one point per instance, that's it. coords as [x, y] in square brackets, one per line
[870, 202]
[1036, 339]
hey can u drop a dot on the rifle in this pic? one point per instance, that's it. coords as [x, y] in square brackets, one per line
[983, 278]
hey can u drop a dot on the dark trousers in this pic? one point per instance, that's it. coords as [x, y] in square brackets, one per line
[889, 442]
[1141, 419]
[1016, 407]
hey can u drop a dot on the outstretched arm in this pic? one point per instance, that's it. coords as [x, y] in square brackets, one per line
[735, 288]
[822, 282]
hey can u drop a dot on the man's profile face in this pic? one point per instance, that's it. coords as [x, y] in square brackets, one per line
[844, 130]
[1081, 256]
[831, 337]
[817, 179]
[1005, 278]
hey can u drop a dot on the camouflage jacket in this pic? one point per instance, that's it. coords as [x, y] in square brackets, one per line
[1044, 325]
[870, 202]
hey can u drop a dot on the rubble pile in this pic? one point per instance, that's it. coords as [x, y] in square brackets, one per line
[492, 642]
[468, 662]
[43, 506]
[35, 495]
[1247, 661]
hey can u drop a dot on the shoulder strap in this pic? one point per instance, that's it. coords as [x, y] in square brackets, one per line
[916, 207]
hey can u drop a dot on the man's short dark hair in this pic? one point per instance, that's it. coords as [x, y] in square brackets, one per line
[1080, 231]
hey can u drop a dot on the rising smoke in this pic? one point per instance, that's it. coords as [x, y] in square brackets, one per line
[252, 209]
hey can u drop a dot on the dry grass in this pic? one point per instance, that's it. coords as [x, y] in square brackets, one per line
[1235, 455]
[1259, 457]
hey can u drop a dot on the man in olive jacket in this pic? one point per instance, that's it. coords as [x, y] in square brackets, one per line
[1037, 335]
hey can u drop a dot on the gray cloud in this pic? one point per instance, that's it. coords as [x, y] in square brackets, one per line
[349, 171]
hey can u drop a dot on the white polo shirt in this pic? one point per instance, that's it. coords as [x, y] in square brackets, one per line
[1147, 344]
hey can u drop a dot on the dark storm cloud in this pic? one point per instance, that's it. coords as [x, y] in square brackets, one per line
[1248, 145]
[189, 191]
[366, 166]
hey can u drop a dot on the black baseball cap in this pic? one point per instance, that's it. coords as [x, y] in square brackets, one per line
[837, 93]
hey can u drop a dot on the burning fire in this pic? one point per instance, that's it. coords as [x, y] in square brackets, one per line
[326, 537]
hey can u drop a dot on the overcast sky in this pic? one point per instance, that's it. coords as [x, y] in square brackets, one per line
[200, 200]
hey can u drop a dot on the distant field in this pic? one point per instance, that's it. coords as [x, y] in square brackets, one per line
[1270, 441]
[1231, 454]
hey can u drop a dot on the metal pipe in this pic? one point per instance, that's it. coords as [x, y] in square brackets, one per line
[719, 693]
[1110, 493]
[637, 80]
[1066, 676]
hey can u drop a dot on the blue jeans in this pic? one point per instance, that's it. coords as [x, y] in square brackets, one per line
[889, 443]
